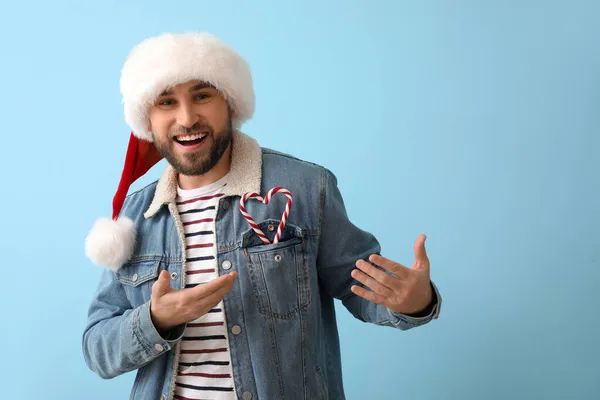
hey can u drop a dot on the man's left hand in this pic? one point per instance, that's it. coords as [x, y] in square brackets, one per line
[408, 291]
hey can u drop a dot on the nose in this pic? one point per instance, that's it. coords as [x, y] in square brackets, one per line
[186, 116]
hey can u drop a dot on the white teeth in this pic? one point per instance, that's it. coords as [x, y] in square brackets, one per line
[191, 137]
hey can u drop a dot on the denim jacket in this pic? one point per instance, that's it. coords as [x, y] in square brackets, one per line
[283, 298]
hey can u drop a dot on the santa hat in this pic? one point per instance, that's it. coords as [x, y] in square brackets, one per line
[153, 66]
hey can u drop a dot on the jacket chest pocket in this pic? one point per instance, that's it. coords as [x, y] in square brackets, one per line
[137, 278]
[279, 274]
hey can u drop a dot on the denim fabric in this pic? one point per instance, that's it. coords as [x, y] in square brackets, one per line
[283, 299]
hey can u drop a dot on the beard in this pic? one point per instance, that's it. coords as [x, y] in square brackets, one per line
[201, 161]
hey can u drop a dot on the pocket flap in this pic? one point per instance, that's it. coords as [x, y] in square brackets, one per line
[269, 228]
[138, 272]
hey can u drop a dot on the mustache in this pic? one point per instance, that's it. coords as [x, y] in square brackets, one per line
[182, 130]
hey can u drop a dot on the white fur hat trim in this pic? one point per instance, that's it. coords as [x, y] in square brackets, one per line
[161, 62]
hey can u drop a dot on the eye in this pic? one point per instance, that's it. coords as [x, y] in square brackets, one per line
[166, 102]
[202, 96]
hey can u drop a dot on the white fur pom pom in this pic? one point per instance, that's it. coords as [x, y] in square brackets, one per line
[110, 243]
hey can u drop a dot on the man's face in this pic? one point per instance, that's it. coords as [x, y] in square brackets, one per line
[191, 127]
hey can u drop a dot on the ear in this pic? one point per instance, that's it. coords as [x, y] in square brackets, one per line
[234, 114]
[151, 133]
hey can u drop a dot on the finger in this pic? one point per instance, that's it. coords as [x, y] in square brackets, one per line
[208, 288]
[395, 268]
[371, 283]
[161, 286]
[215, 297]
[365, 294]
[420, 252]
[376, 274]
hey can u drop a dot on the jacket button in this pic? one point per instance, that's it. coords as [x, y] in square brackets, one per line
[134, 277]
[247, 396]
[225, 204]
[174, 275]
[158, 347]
[271, 228]
[226, 264]
[236, 330]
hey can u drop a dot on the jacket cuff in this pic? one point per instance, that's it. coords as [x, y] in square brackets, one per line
[433, 308]
[148, 336]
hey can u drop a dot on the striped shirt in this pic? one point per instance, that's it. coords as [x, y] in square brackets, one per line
[205, 362]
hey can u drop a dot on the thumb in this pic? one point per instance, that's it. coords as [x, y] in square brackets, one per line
[421, 258]
[161, 286]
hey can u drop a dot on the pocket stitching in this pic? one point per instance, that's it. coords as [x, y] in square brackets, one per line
[267, 248]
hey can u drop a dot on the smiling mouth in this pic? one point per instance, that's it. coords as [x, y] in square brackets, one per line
[191, 139]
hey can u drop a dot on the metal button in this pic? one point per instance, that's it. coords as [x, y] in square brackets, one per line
[225, 204]
[134, 277]
[270, 228]
[174, 275]
[277, 258]
[158, 347]
[236, 330]
[226, 264]
[247, 396]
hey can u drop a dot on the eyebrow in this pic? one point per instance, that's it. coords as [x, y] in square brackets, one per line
[202, 85]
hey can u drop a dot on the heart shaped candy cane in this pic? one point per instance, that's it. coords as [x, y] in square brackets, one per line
[266, 200]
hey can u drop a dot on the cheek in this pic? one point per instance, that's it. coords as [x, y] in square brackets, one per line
[215, 113]
[221, 118]
[159, 128]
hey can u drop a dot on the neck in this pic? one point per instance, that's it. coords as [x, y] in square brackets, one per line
[221, 169]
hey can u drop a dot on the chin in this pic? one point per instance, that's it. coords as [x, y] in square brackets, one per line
[195, 169]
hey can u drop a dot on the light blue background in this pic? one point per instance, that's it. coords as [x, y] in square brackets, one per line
[475, 122]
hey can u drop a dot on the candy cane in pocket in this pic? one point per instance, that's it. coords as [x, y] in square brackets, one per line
[266, 200]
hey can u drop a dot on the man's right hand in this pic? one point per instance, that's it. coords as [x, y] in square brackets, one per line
[171, 307]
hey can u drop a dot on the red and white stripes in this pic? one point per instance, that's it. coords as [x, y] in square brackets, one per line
[266, 200]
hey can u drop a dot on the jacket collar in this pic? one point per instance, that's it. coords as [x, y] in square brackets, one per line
[244, 174]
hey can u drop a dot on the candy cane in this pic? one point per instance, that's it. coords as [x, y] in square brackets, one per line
[266, 200]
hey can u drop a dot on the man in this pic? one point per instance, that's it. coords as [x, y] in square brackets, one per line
[208, 292]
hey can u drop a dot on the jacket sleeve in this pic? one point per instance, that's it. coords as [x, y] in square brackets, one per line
[341, 244]
[117, 337]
